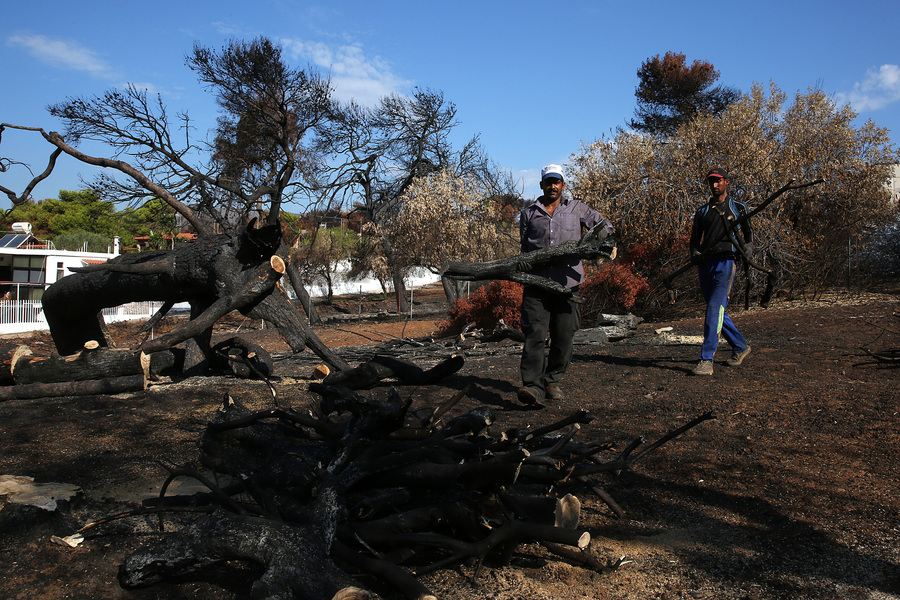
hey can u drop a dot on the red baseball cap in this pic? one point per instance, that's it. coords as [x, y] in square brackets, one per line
[717, 173]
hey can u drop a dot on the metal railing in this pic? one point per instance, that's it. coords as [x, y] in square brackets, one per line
[32, 312]
[131, 311]
[21, 311]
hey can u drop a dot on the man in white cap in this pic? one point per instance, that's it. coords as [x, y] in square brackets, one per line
[552, 220]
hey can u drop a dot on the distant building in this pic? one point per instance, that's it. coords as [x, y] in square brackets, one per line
[142, 242]
[28, 266]
[894, 184]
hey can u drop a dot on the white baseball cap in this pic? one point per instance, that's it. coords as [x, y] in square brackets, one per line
[552, 171]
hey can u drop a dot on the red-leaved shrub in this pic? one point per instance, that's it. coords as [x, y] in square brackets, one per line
[485, 307]
[613, 288]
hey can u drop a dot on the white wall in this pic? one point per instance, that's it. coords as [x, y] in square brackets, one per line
[342, 286]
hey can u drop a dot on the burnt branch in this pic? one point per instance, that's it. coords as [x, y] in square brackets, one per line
[592, 246]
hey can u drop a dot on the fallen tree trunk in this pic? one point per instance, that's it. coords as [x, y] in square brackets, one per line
[92, 387]
[215, 275]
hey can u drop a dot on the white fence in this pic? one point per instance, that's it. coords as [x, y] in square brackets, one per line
[416, 277]
[28, 315]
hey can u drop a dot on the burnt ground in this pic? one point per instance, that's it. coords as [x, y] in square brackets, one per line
[791, 492]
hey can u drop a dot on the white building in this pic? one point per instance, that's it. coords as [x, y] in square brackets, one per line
[28, 266]
[894, 184]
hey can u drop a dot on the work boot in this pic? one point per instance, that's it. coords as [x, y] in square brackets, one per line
[737, 357]
[704, 367]
[553, 392]
[530, 396]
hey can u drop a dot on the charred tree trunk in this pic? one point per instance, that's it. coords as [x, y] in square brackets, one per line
[297, 284]
[452, 288]
[396, 277]
[215, 275]
[296, 559]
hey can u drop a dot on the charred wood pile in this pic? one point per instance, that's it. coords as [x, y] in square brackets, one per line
[357, 495]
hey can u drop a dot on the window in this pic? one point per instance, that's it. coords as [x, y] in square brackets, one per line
[28, 269]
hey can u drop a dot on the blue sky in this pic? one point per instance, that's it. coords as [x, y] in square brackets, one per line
[533, 79]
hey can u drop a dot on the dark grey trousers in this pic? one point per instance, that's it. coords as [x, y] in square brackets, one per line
[547, 314]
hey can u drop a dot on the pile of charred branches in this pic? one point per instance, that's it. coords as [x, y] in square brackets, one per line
[380, 490]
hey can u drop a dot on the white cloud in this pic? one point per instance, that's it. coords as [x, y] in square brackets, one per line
[880, 88]
[354, 75]
[63, 54]
[224, 28]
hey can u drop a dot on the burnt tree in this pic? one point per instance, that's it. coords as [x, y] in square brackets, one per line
[260, 156]
[215, 275]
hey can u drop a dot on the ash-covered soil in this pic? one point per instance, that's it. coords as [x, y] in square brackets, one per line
[791, 492]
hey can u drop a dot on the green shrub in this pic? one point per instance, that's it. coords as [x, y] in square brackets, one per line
[79, 239]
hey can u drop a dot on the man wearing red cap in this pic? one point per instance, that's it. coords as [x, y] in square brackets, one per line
[714, 246]
[552, 220]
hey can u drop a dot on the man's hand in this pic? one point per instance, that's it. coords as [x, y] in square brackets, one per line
[523, 264]
[696, 257]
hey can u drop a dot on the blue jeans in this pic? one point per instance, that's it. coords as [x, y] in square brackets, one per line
[546, 314]
[716, 279]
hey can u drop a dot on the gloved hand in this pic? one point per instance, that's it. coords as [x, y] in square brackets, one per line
[748, 249]
[695, 257]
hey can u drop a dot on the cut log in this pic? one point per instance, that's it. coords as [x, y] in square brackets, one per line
[111, 385]
[94, 362]
[10, 354]
[321, 372]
